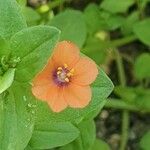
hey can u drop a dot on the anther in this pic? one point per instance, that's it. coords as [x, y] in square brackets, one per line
[69, 74]
[58, 72]
[65, 66]
[72, 70]
[59, 68]
[66, 79]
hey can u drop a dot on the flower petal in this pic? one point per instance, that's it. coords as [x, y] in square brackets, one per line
[66, 53]
[77, 96]
[46, 75]
[57, 101]
[85, 71]
[43, 92]
[52, 95]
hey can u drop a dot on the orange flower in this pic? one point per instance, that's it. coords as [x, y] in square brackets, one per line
[66, 78]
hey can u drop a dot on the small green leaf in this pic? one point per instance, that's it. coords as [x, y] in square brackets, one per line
[28, 148]
[143, 98]
[129, 22]
[126, 93]
[22, 2]
[93, 18]
[32, 17]
[17, 119]
[6, 80]
[100, 145]
[72, 26]
[11, 19]
[4, 47]
[96, 49]
[139, 97]
[145, 141]
[120, 6]
[142, 31]
[86, 138]
[53, 134]
[114, 21]
[142, 67]
[34, 47]
[143, 3]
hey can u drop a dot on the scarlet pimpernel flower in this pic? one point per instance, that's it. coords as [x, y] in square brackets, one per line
[65, 80]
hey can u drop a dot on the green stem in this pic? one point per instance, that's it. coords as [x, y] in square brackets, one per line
[118, 104]
[122, 105]
[120, 68]
[123, 41]
[125, 127]
[125, 114]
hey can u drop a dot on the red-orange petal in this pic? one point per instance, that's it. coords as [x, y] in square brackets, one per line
[85, 71]
[46, 75]
[65, 53]
[77, 96]
[52, 95]
[57, 102]
[43, 92]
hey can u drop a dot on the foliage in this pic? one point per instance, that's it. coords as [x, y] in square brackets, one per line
[26, 122]
[144, 143]
[27, 39]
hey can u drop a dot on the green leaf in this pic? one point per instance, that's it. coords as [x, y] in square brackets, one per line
[22, 2]
[17, 119]
[93, 18]
[143, 3]
[101, 88]
[100, 145]
[126, 93]
[142, 67]
[145, 141]
[120, 6]
[137, 96]
[141, 29]
[98, 20]
[6, 80]
[4, 47]
[32, 17]
[34, 46]
[143, 98]
[28, 148]
[129, 22]
[11, 19]
[96, 49]
[86, 138]
[114, 21]
[53, 134]
[72, 26]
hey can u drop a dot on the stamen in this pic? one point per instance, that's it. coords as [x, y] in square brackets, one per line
[66, 79]
[58, 72]
[63, 75]
[72, 70]
[69, 74]
[65, 66]
[59, 68]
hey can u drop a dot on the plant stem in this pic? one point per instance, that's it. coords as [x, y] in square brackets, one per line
[125, 127]
[118, 104]
[123, 41]
[125, 114]
[121, 72]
